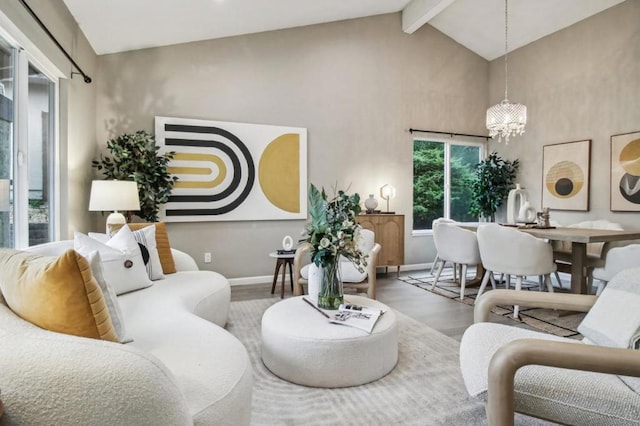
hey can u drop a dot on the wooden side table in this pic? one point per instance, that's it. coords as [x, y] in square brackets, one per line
[282, 261]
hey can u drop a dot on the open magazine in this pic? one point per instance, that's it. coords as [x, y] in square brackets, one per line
[362, 317]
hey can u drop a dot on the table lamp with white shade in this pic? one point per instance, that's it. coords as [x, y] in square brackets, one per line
[115, 196]
[387, 192]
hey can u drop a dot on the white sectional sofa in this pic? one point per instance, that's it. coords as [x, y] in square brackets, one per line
[181, 368]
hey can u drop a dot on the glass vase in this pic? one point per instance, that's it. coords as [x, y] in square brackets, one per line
[331, 295]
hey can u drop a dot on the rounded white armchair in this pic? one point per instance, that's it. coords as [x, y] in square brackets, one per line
[557, 378]
[362, 282]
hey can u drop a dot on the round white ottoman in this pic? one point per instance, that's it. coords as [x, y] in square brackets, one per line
[301, 346]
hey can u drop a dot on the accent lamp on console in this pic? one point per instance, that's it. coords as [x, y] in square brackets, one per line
[506, 119]
[114, 195]
[387, 192]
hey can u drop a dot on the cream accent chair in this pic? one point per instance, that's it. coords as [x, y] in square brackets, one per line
[351, 278]
[546, 376]
[616, 259]
[511, 252]
[456, 245]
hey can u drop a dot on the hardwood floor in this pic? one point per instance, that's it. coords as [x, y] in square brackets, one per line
[447, 316]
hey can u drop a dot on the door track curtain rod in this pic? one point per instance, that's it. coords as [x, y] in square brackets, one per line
[451, 134]
[87, 79]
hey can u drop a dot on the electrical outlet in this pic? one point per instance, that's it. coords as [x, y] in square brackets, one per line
[207, 257]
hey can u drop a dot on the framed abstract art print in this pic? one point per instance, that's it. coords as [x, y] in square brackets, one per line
[230, 171]
[565, 175]
[625, 172]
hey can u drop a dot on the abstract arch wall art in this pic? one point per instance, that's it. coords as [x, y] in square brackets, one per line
[234, 171]
[565, 175]
[625, 172]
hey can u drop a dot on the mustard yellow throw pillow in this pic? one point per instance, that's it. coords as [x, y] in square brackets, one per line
[162, 244]
[55, 293]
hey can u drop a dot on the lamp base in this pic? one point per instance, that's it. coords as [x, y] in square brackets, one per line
[114, 222]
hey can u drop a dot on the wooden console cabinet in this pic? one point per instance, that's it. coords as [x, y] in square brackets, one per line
[389, 230]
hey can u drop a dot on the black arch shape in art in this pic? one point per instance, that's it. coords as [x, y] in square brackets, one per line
[236, 164]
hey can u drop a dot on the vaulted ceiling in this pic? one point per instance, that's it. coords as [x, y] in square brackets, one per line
[121, 25]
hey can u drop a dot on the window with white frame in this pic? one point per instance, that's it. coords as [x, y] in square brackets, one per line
[27, 147]
[443, 171]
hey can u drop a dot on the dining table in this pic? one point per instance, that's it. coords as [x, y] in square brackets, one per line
[579, 238]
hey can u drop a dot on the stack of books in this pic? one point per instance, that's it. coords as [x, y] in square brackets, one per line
[286, 251]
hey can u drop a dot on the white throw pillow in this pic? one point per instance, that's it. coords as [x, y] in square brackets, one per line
[146, 238]
[110, 299]
[122, 262]
[614, 320]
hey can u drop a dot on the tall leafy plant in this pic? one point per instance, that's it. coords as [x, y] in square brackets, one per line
[135, 157]
[333, 227]
[494, 179]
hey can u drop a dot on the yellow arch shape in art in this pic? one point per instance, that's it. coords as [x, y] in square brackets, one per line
[183, 156]
[630, 158]
[279, 172]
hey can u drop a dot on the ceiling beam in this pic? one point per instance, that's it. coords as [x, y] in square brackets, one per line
[419, 12]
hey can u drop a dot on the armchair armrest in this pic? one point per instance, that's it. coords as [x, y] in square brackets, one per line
[576, 356]
[297, 266]
[372, 264]
[564, 301]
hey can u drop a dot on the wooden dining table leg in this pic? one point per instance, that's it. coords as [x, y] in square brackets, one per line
[578, 259]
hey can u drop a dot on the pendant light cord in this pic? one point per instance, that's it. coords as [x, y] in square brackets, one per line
[506, 47]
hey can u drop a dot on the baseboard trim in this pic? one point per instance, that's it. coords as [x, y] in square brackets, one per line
[260, 279]
[265, 279]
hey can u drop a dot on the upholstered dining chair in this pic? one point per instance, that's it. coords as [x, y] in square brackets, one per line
[556, 378]
[616, 259]
[436, 259]
[508, 251]
[458, 246]
[361, 282]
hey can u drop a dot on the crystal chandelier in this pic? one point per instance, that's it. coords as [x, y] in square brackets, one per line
[506, 119]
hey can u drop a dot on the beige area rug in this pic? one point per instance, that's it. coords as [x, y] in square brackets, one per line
[425, 387]
[563, 324]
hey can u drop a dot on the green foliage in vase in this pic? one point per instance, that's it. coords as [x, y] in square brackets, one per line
[135, 157]
[495, 177]
[332, 230]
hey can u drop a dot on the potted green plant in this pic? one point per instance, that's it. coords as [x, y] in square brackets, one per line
[495, 177]
[135, 157]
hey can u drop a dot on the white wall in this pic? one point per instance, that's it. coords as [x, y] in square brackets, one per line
[356, 85]
[580, 83]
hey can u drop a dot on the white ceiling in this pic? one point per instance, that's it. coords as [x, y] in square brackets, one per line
[121, 25]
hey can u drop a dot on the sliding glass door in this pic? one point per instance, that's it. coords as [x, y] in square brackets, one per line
[27, 147]
[41, 97]
[6, 144]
